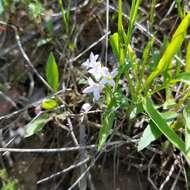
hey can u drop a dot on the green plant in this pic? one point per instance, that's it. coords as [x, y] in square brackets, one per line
[48, 104]
[143, 87]
[181, 12]
[8, 183]
[65, 14]
[35, 10]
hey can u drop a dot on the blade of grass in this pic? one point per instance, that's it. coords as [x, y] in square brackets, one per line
[133, 15]
[36, 125]
[152, 13]
[128, 50]
[187, 66]
[52, 73]
[132, 58]
[150, 134]
[114, 42]
[146, 55]
[121, 33]
[160, 122]
[179, 8]
[107, 119]
[64, 16]
[170, 51]
[122, 48]
[182, 77]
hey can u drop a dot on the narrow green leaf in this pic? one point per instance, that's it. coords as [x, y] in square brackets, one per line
[150, 134]
[182, 77]
[114, 41]
[120, 24]
[160, 122]
[133, 15]
[186, 115]
[171, 50]
[113, 103]
[36, 125]
[152, 13]
[105, 130]
[187, 66]
[64, 16]
[146, 53]
[179, 8]
[169, 115]
[121, 35]
[52, 72]
[49, 104]
[132, 54]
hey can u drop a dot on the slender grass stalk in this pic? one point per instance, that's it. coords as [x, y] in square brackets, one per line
[187, 66]
[122, 51]
[64, 16]
[129, 51]
[179, 8]
[121, 33]
[152, 13]
[146, 55]
[133, 15]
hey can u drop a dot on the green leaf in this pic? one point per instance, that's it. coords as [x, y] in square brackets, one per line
[105, 130]
[160, 122]
[133, 15]
[114, 41]
[187, 66]
[171, 50]
[150, 134]
[186, 115]
[182, 77]
[113, 104]
[181, 13]
[146, 53]
[52, 72]
[169, 115]
[65, 16]
[120, 24]
[49, 104]
[36, 125]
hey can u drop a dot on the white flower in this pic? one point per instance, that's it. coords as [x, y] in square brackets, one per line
[108, 77]
[97, 72]
[101, 75]
[91, 62]
[95, 88]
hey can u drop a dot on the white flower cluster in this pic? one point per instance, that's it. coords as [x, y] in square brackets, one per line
[101, 75]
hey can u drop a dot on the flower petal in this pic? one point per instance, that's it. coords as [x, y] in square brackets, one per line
[114, 73]
[86, 64]
[96, 94]
[91, 56]
[87, 90]
[91, 82]
[96, 57]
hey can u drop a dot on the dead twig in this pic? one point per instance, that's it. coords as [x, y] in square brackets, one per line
[71, 167]
[56, 150]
